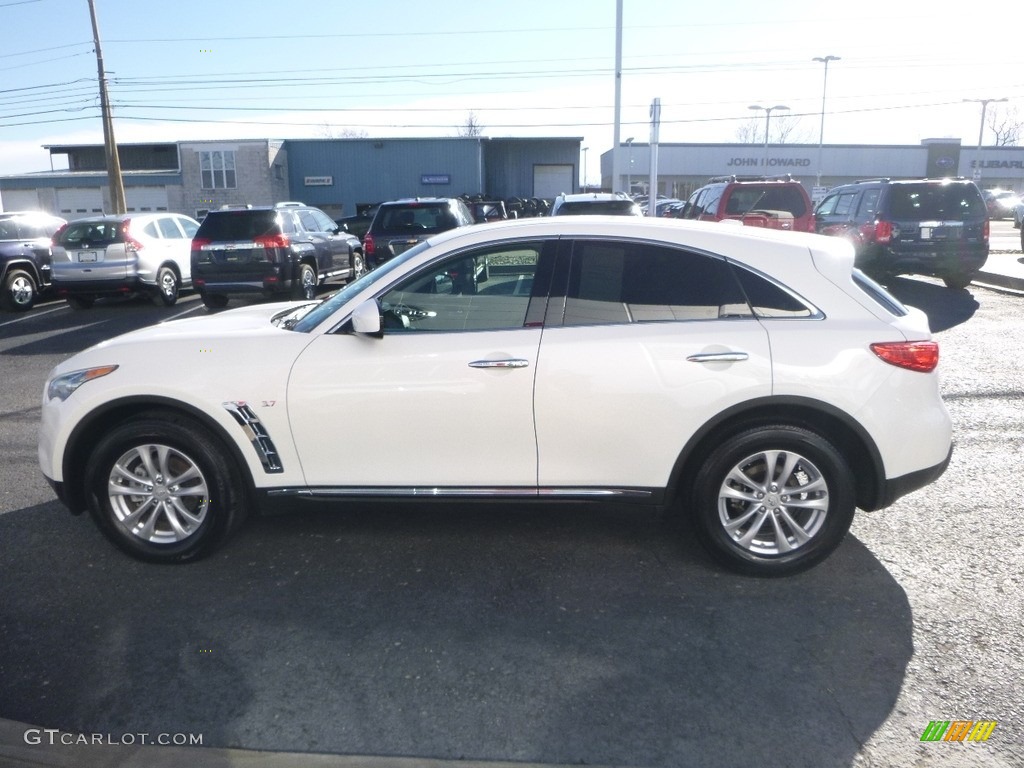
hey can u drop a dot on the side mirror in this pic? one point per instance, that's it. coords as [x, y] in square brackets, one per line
[366, 319]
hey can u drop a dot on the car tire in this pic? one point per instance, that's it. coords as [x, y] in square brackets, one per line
[305, 283]
[133, 496]
[19, 291]
[358, 265]
[214, 300]
[773, 501]
[167, 287]
[958, 281]
[81, 302]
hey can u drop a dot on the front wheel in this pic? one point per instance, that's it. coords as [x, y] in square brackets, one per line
[161, 489]
[167, 288]
[19, 291]
[773, 501]
[305, 283]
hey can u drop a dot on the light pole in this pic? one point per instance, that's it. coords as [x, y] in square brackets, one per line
[767, 122]
[981, 132]
[629, 167]
[824, 86]
[585, 169]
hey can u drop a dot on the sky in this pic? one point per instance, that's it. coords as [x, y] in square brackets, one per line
[231, 69]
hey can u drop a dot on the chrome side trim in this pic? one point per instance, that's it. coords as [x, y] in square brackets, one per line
[718, 357]
[257, 434]
[467, 492]
[511, 363]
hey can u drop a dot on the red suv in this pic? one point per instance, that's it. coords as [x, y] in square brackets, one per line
[774, 202]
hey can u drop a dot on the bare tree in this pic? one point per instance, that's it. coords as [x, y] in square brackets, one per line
[750, 131]
[329, 131]
[472, 126]
[1006, 125]
[785, 129]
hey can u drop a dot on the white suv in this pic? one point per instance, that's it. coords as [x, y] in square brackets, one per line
[751, 379]
[595, 204]
[121, 254]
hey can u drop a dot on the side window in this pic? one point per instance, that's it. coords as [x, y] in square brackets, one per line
[827, 206]
[711, 201]
[844, 203]
[309, 222]
[623, 282]
[152, 230]
[324, 222]
[169, 229]
[484, 290]
[288, 224]
[769, 299]
[868, 203]
[190, 227]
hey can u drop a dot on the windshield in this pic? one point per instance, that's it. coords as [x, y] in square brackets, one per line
[329, 306]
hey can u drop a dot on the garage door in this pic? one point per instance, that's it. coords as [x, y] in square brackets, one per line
[146, 198]
[19, 200]
[549, 181]
[76, 202]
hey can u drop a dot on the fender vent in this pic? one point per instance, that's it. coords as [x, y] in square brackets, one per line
[257, 434]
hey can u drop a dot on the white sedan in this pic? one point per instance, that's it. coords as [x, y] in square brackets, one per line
[749, 378]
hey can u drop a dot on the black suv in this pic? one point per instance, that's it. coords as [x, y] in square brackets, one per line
[288, 249]
[25, 257]
[400, 224]
[936, 227]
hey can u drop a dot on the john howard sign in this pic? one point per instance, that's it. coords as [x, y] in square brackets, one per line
[769, 162]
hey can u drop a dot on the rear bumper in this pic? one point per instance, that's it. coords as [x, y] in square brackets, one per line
[938, 262]
[895, 487]
[275, 278]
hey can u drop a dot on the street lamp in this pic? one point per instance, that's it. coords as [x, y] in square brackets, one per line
[824, 85]
[629, 168]
[585, 169]
[767, 121]
[981, 132]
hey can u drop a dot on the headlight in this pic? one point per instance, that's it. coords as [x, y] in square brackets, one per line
[61, 387]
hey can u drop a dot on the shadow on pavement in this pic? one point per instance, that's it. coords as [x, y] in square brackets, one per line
[560, 635]
[945, 307]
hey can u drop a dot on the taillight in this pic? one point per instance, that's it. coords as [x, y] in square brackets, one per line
[883, 231]
[199, 242]
[272, 241]
[368, 244]
[130, 243]
[55, 240]
[921, 356]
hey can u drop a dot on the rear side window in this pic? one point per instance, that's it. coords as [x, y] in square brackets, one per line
[768, 299]
[239, 225]
[938, 202]
[416, 219]
[879, 295]
[624, 282]
[93, 233]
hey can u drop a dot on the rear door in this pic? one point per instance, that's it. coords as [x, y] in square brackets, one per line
[642, 344]
[931, 220]
[93, 251]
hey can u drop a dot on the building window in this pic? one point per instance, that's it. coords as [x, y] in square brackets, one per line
[218, 169]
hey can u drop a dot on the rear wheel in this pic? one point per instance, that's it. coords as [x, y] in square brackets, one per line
[773, 501]
[81, 302]
[161, 489]
[305, 283]
[214, 300]
[358, 265]
[167, 287]
[19, 291]
[958, 280]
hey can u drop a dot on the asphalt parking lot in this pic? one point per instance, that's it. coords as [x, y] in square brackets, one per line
[422, 634]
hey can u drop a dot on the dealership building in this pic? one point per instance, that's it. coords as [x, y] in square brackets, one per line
[340, 175]
[682, 168]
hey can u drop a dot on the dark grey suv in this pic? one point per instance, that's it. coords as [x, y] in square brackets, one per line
[25, 257]
[936, 227]
[400, 224]
[285, 250]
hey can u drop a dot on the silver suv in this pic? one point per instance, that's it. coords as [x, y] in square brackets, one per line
[123, 254]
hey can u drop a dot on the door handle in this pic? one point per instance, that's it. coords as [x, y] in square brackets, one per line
[718, 357]
[513, 363]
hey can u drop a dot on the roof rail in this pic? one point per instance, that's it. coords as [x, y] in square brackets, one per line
[289, 204]
[734, 177]
[235, 206]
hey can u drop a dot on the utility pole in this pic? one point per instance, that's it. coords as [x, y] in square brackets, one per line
[114, 179]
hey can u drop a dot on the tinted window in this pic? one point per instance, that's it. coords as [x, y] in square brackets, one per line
[92, 233]
[239, 225]
[710, 202]
[613, 282]
[769, 299]
[416, 219]
[927, 202]
[309, 222]
[9, 229]
[189, 226]
[868, 203]
[485, 290]
[600, 208]
[324, 222]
